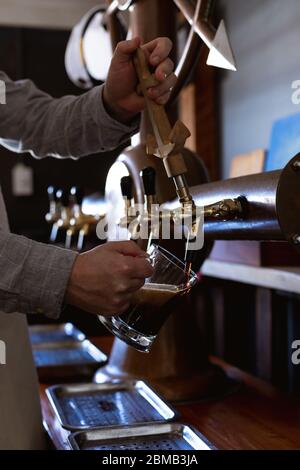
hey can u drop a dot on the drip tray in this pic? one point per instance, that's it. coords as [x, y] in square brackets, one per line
[154, 437]
[86, 406]
[65, 360]
[63, 333]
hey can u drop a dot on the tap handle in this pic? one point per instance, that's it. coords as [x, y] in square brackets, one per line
[149, 179]
[126, 187]
[76, 195]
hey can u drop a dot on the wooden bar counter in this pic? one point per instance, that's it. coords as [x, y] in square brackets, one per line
[255, 417]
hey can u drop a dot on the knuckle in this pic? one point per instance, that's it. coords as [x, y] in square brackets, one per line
[122, 269]
[123, 287]
[120, 46]
[126, 268]
[146, 270]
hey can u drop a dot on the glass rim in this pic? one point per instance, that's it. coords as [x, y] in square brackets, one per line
[192, 275]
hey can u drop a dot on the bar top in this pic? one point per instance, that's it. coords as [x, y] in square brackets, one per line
[255, 417]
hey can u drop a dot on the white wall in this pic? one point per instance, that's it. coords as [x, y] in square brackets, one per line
[265, 36]
[58, 14]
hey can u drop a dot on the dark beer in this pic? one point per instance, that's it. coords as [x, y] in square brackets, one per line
[148, 311]
[154, 302]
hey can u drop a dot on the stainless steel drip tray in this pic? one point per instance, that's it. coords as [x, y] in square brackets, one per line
[66, 332]
[87, 406]
[155, 437]
[67, 359]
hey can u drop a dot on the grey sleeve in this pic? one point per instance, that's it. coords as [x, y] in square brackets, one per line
[34, 276]
[68, 127]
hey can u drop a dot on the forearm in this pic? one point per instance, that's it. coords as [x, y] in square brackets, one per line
[72, 126]
[33, 276]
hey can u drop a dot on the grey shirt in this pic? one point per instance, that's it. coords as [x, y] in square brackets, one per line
[34, 276]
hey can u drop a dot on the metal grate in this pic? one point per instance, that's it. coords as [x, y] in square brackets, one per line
[120, 407]
[166, 442]
[61, 356]
[50, 337]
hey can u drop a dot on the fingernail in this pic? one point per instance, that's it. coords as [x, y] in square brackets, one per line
[155, 60]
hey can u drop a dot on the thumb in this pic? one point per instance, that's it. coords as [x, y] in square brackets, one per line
[125, 49]
[129, 248]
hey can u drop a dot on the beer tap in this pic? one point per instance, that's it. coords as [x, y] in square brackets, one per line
[126, 189]
[167, 143]
[76, 198]
[79, 222]
[54, 207]
[62, 201]
[127, 193]
[148, 176]
[54, 210]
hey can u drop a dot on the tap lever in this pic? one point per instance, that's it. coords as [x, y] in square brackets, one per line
[149, 180]
[126, 187]
[168, 142]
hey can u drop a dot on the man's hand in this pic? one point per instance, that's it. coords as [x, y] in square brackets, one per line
[120, 96]
[103, 280]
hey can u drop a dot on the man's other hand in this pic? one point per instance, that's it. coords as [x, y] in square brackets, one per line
[120, 90]
[104, 279]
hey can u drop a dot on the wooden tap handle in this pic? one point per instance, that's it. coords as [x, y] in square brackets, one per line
[174, 163]
[158, 116]
[147, 80]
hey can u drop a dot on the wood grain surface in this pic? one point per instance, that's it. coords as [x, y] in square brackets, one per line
[255, 417]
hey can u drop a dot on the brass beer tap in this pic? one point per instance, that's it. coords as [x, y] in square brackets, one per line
[167, 143]
[62, 222]
[79, 222]
[54, 206]
[54, 213]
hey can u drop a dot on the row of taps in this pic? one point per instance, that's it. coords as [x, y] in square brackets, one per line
[187, 214]
[66, 216]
